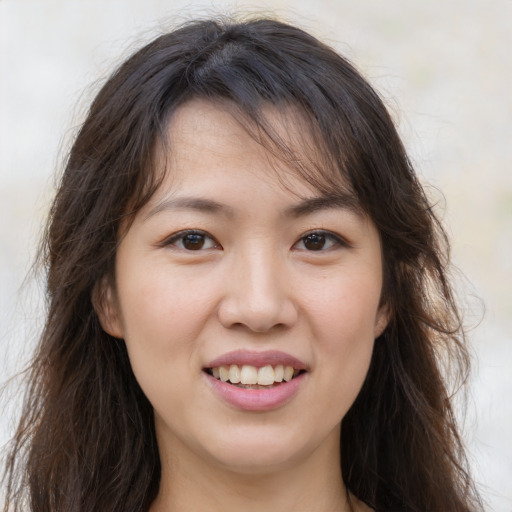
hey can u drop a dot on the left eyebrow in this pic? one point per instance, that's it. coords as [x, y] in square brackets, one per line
[314, 204]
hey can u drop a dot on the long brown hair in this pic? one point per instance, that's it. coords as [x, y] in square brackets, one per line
[86, 439]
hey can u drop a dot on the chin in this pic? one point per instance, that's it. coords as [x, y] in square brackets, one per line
[260, 451]
[255, 462]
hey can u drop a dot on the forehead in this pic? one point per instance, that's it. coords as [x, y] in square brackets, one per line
[201, 129]
[212, 164]
[279, 145]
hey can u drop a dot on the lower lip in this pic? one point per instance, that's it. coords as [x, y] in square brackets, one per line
[256, 399]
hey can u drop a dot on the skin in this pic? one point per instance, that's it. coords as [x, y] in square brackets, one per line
[255, 284]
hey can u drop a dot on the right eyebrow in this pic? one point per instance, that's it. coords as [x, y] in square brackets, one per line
[190, 203]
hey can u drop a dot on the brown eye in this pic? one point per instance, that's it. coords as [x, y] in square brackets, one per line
[192, 241]
[319, 241]
[314, 241]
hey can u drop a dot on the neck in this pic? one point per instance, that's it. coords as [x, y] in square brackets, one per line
[313, 484]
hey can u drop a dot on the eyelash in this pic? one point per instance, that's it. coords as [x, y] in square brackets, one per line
[327, 236]
[336, 240]
[180, 236]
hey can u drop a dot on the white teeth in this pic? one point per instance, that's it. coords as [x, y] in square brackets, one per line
[279, 373]
[234, 374]
[266, 375]
[223, 373]
[251, 375]
[288, 373]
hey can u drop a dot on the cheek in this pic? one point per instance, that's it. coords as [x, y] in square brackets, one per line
[162, 316]
[344, 309]
[160, 306]
[343, 316]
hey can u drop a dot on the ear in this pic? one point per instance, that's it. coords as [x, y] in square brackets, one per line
[104, 301]
[382, 320]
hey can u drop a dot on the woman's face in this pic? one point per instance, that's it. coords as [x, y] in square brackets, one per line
[227, 274]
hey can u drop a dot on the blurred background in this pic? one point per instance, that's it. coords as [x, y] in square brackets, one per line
[444, 68]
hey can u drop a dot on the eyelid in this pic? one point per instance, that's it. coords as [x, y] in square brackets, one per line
[170, 240]
[339, 240]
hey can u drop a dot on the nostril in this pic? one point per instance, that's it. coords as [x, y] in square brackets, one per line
[256, 311]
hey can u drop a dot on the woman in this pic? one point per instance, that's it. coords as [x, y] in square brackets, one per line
[248, 296]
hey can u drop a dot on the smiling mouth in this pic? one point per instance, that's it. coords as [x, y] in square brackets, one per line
[253, 377]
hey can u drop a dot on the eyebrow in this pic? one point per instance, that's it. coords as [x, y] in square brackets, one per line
[310, 205]
[304, 207]
[191, 203]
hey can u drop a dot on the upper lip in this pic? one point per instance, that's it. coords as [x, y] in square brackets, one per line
[258, 359]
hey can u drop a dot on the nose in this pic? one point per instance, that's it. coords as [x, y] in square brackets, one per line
[259, 294]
